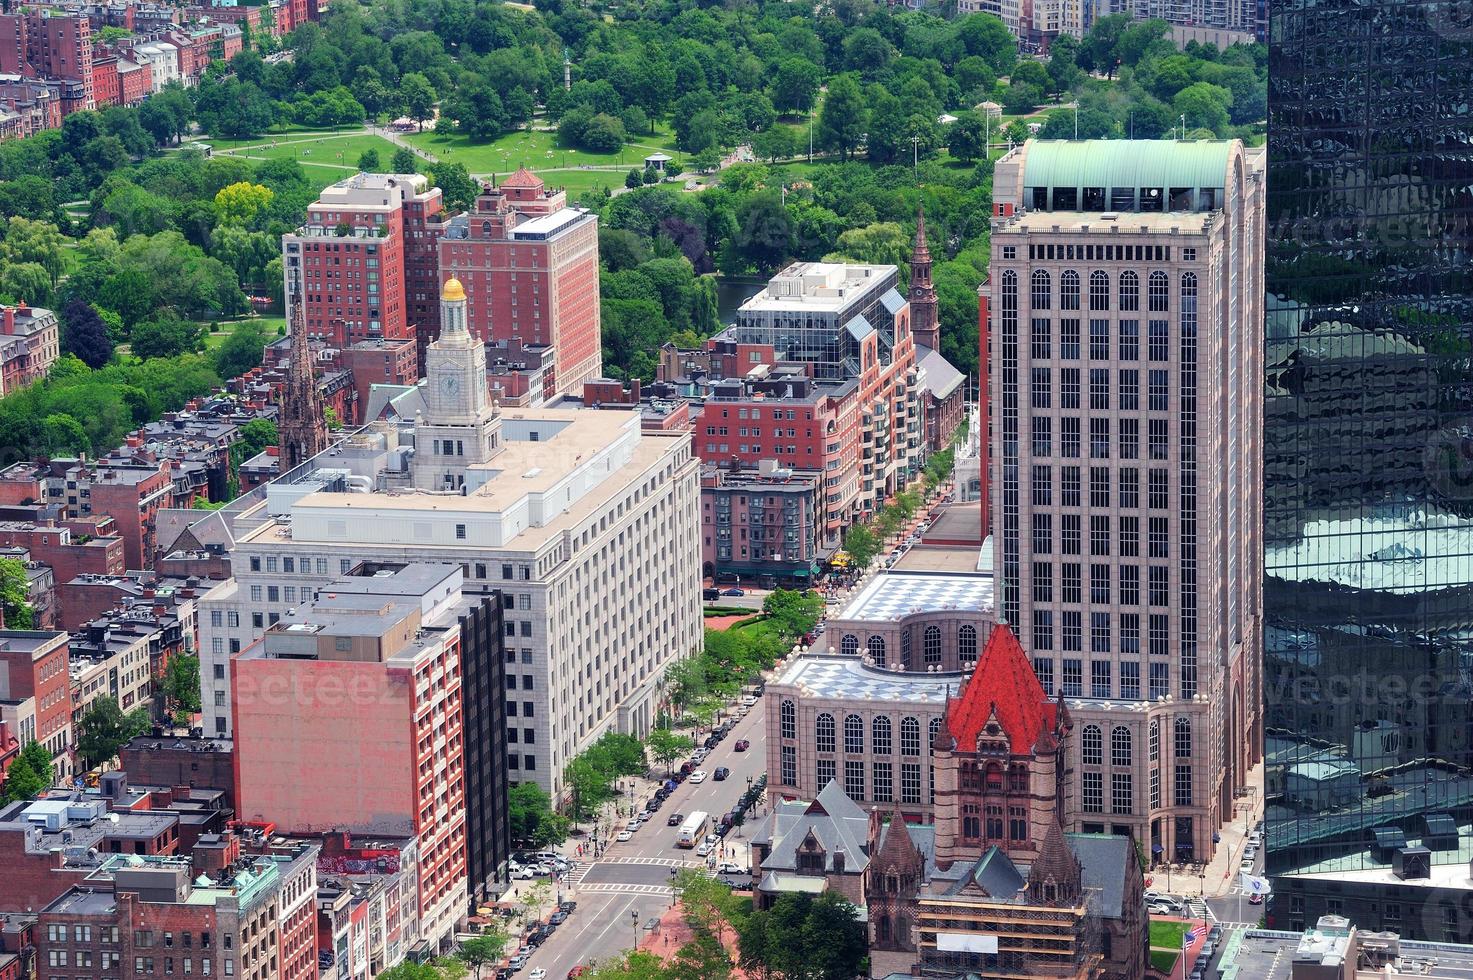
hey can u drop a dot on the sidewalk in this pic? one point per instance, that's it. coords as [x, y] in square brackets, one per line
[1221, 873]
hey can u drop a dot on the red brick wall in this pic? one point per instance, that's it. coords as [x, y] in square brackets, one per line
[32, 881]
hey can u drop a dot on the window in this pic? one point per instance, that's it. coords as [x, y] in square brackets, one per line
[849, 646]
[910, 782]
[1158, 292]
[1042, 339]
[854, 779]
[1184, 785]
[1069, 438]
[1069, 388]
[1157, 390]
[824, 736]
[1043, 632]
[910, 737]
[1099, 438]
[883, 788]
[788, 719]
[1099, 535]
[1043, 669]
[931, 644]
[880, 735]
[1017, 823]
[1094, 792]
[966, 642]
[1042, 292]
[1130, 340]
[1043, 486]
[1120, 750]
[1099, 292]
[1182, 738]
[460, 532]
[1073, 672]
[1069, 581]
[1099, 389]
[853, 735]
[1122, 793]
[1160, 676]
[1069, 290]
[1130, 681]
[1130, 291]
[1069, 486]
[1099, 674]
[1041, 388]
[1043, 435]
[1092, 746]
[789, 766]
[1069, 339]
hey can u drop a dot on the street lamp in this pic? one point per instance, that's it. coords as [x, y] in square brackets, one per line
[915, 152]
[672, 888]
[634, 921]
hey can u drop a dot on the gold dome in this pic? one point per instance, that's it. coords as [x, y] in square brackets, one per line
[453, 292]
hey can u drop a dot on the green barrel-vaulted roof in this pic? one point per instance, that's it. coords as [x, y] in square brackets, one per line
[1127, 163]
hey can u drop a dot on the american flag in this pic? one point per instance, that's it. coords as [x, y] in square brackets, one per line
[1189, 937]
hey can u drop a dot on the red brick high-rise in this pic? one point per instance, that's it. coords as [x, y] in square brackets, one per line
[39, 44]
[529, 264]
[361, 258]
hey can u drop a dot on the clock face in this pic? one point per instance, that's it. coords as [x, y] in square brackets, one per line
[450, 386]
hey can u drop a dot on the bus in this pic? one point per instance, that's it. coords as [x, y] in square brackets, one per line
[693, 830]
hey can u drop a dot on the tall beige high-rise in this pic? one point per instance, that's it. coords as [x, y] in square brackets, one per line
[1126, 358]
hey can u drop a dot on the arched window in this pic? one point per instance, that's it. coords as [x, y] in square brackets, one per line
[882, 929]
[486, 229]
[931, 644]
[935, 730]
[1159, 292]
[853, 735]
[966, 642]
[1130, 292]
[788, 716]
[1183, 743]
[1099, 291]
[1153, 741]
[910, 736]
[1092, 745]
[1043, 290]
[849, 646]
[879, 735]
[1069, 290]
[823, 732]
[877, 649]
[1018, 778]
[1120, 746]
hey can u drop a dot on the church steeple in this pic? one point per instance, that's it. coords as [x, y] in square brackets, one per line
[301, 423]
[924, 324]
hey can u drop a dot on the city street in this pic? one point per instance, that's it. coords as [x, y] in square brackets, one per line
[629, 885]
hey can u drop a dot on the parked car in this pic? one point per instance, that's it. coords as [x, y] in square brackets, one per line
[721, 773]
[558, 918]
[710, 595]
[726, 867]
[567, 905]
[742, 745]
[675, 820]
[734, 591]
[703, 849]
[623, 836]
[699, 776]
[524, 874]
[632, 824]
[1246, 865]
[537, 974]
[517, 962]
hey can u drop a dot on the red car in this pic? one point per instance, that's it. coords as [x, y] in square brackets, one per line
[742, 745]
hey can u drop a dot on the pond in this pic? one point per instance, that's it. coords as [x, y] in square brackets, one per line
[732, 292]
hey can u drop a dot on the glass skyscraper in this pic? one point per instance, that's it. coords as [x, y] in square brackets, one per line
[1368, 452]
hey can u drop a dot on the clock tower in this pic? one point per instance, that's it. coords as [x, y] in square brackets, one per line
[460, 425]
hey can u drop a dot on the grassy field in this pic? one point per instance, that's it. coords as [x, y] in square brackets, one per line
[270, 324]
[536, 150]
[1166, 944]
[326, 157]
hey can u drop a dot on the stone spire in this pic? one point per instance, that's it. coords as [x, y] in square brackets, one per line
[301, 424]
[924, 324]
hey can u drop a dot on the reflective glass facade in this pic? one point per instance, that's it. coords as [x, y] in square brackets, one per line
[1368, 444]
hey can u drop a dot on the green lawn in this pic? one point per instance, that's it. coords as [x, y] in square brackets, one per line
[537, 150]
[268, 323]
[1166, 944]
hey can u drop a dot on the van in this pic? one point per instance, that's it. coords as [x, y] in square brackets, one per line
[710, 595]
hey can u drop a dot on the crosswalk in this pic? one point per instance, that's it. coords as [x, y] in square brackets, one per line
[659, 862]
[615, 888]
[1199, 909]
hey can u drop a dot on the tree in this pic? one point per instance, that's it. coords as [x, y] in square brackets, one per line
[456, 185]
[26, 282]
[38, 758]
[482, 951]
[793, 613]
[105, 728]
[62, 435]
[795, 84]
[532, 818]
[368, 161]
[241, 202]
[834, 940]
[665, 746]
[633, 178]
[419, 97]
[85, 335]
[15, 595]
[1021, 98]
[1205, 106]
[181, 686]
[885, 242]
[166, 336]
[22, 782]
[844, 116]
[39, 242]
[777, 143]
[967, 137]
[862, 545]
[241, 351]
[411, 971]
[765, 230]
[255, 436]
[404, 161]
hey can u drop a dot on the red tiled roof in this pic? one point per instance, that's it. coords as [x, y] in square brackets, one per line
[522, 178]
[1002, 682]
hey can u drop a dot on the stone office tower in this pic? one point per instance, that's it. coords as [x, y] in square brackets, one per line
[1126, 403]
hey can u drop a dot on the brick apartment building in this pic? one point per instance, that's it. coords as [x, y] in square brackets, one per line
[529, 264]
[35, 689]
[766, 522]
[30, 342]
[131, 493]
[387, 759]
[53, 45]
[352, 258]
[27, 107]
